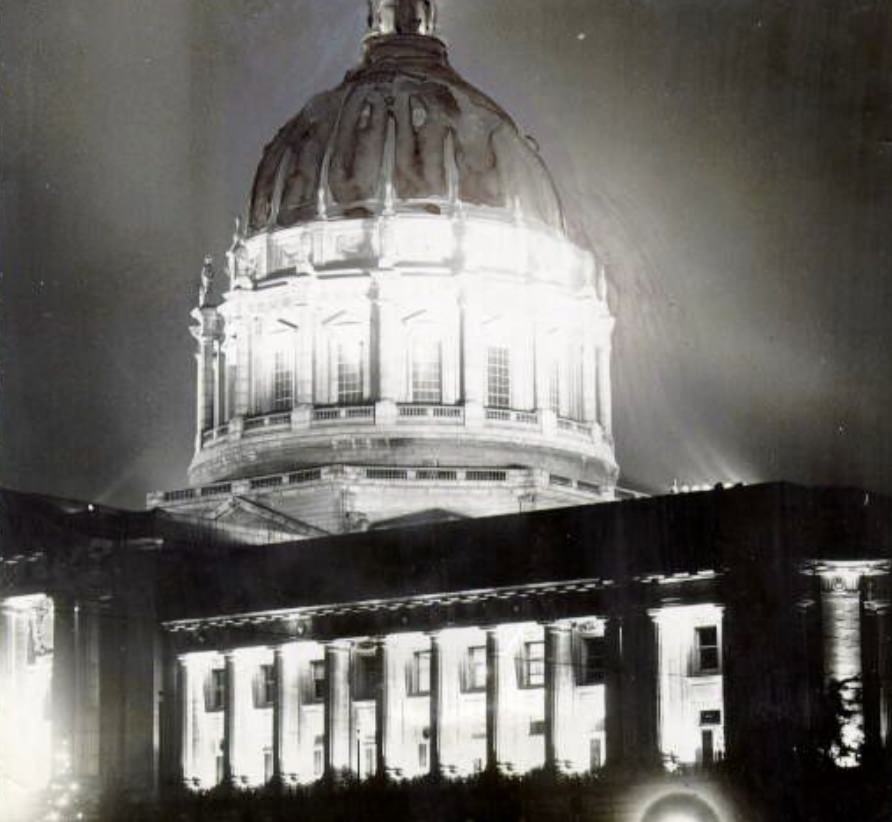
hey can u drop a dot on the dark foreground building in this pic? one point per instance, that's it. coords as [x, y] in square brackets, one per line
[703, 634]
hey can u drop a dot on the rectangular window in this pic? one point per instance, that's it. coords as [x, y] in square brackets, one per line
[537, 727]
[216, 691]
[498, 377]
[422, 756]
[591, 661]
[317, 675]
[267, 764]
[533, 670]
[427, 372]
[710, 717]
[365, 676]
[420, 675]
[475, 669]
[707, 650]
[283, 380]
[349, 364]
[265, 687]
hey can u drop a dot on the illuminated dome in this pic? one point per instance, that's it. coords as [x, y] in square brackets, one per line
[407, 329]
[403, 130]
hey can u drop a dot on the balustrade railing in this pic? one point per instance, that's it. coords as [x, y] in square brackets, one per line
[329, 473]
[407, 413]
[267, 421]
[437, 413]
[353, 413]
[511, 416]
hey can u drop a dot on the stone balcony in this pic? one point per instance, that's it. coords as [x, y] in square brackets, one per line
[389, 433]
[358, 475]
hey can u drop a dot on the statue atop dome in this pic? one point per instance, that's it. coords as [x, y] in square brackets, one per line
[238, 259]
[207, 282]
[402, 17]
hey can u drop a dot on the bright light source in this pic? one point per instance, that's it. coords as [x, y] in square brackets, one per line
[680, 807]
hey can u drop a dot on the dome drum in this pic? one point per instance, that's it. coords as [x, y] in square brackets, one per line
[448, 339]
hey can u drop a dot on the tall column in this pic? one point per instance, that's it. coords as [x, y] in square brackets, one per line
[278, 713]
[64, 697]
[337, 707]
[472, 348]
[242, 399]
[384, 705]
[206, 335]
[841, 623]
[181, 736]
[558, 694]
[542, 370]
[589, 367]
[613, 696]
[605, 403]
[493, 693]
[219, 383]
[229, 726]
[436, 698]
[386, 358]
[303, 388]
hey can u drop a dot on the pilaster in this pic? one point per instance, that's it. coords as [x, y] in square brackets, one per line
[493, 698]
[229, 724]
[613, 692]
[337, 708]
[436, 712]
[472, 349]
[385, 705]
[278, 713]
[64, 681]
[558, 694]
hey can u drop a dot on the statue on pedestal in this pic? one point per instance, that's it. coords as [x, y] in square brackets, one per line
[207, 281]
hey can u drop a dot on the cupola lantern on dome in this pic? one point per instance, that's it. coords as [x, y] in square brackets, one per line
[408, 328]
[402, 17]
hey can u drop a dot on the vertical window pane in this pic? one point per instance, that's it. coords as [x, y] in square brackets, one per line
[707, 641]
[426, 372]
[349, 361]
[498, 377]
[421, 673]
[554, 386]
[317, 669]
[283, 381]
[535, 663]
[475, 669]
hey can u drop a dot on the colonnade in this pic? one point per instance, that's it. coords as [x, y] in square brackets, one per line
[533, 696]
[234, 365]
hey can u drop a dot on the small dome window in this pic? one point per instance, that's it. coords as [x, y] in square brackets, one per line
[419, 114]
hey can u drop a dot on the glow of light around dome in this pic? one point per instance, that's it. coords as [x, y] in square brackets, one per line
[403, 298]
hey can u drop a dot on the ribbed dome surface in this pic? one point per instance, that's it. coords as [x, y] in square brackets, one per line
[402, 131]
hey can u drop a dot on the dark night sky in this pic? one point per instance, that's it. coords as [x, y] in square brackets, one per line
[731, 158]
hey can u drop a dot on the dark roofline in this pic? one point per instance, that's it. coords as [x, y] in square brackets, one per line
[770, 526]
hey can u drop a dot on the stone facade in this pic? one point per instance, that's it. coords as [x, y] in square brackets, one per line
[406, 321]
